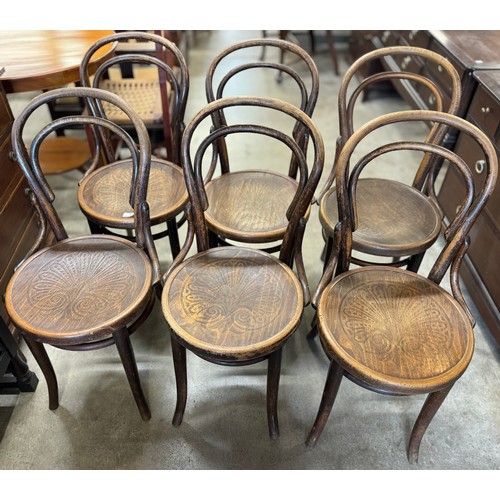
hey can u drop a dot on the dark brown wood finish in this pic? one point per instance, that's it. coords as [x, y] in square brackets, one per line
[391, 330]
[259, 215]
[388, 224]
[236, 305]
[104, 195]
[90, 291]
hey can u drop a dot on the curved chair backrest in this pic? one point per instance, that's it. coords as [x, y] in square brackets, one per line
[348, 97]
[173, 105]
[308, 87]
[308, 177]
[458, 229]
[30, 164]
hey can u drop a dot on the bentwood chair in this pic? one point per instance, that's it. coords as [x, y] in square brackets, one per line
[388, 329]
[268, 189]
[84, 292]
[237, 305]
[104, 192]
[388, 225]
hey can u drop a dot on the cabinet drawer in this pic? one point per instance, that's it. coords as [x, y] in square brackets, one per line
[485, 235]
[10, 173]
[13, 220]
[415, 38]
[484, 112]
[6, 118]
[437, 72]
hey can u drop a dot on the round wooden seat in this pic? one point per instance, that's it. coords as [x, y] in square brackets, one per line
[231, 303]
[395, 331]
[250, 205]
[104, 195]
[393, 219]
[80, 289]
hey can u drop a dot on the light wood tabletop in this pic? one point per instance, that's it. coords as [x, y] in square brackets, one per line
[44, 59]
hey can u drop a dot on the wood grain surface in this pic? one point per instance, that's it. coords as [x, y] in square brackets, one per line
[78, 287]
[233, 302]
[104, 195]
[395, 330]
[250, 205]
[44, 59]
[394, 219]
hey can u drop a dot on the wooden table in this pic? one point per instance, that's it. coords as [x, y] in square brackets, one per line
[45, 59]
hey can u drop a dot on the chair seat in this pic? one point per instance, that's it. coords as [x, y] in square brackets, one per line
[250, 205]
[103, 196]
[393, 219]
[232, 303]
[65, 293]
[142, 94]
[395, 331]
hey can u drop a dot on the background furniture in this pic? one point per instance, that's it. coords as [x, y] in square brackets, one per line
[45, 59]
[476, 56]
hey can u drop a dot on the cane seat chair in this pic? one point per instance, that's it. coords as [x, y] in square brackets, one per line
[268, 187]
[237, 305]
[388, 329]
[104, 191]
[83, 292]
[388, 231]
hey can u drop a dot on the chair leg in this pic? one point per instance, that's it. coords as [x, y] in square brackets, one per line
[273, 380]
[124, 347]
[414, 262]
[335, 373]
[43, 360]
[94, 228]
[333, 51]
[179, 356]
[429, 409]
[173, 237]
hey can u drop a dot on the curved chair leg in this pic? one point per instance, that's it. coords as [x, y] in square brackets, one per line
[179, 355]
[173, 237]
[429, 409]
[273, 380]
[335, 373]
[43, 360]
[94, 228]
[414, 262]
[124, 347]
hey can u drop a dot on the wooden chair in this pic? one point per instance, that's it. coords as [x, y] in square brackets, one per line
[234, 305]
[391, 229]
[388, 329]
[85, 292]
[103, 194]
[268, 193]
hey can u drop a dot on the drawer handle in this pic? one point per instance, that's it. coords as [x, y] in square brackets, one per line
[405, 62]
[432, 99]
[385, 36]
[412, 34]
[12, 156]
[485, 109]
[480, 164]
[440, 68]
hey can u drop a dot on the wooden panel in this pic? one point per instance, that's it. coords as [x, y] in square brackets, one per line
[10, 174]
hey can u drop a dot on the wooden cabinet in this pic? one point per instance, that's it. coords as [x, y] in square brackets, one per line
[482, 269]
[18, 231]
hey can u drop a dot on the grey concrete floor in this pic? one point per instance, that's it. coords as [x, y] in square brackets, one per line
[97, 425]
